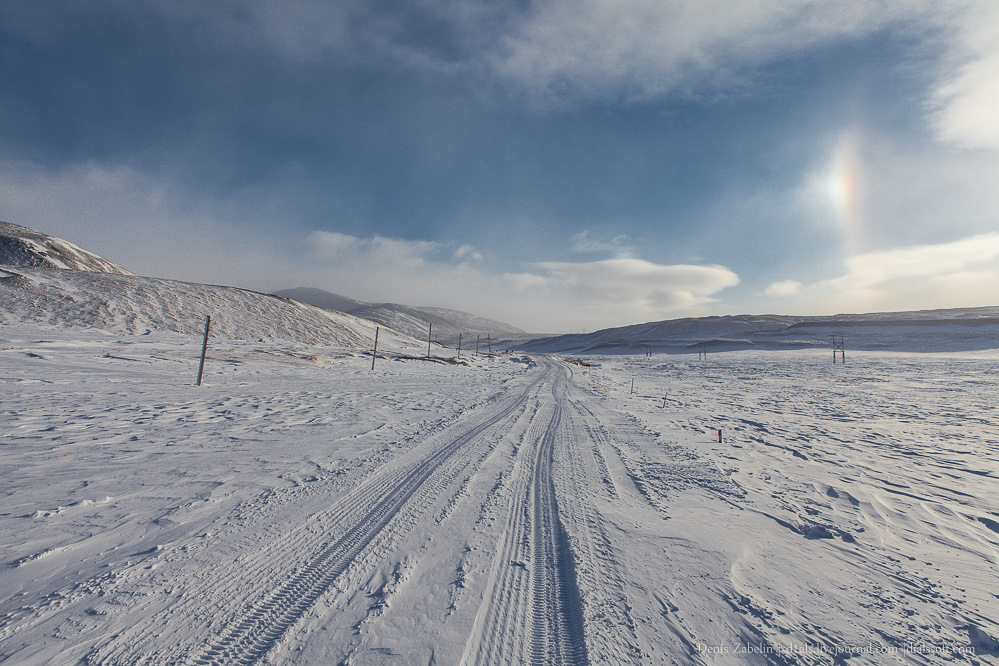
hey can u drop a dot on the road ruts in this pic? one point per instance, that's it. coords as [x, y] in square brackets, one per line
[251, 636]
[531, 611]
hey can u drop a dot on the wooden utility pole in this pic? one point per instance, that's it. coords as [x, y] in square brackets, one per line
[459, 345]
[204, 348]
[374, 352]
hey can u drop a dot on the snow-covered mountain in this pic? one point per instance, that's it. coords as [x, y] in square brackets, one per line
[21, 246]
[413, 321]
[923, 330]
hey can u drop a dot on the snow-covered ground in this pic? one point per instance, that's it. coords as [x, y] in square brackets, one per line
[301, 507]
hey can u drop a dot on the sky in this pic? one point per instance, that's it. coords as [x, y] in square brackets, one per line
[559, 165]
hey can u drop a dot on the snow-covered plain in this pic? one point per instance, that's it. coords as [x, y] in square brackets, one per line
[301, 507]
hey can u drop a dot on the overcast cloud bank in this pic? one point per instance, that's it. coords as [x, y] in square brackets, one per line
[889, 211]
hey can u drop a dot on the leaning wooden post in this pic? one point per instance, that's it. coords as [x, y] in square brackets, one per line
[459, 345]
[665, 395]
[632, 385]
[204, 348]
[429, 337]
[374, 353]
[477, 336]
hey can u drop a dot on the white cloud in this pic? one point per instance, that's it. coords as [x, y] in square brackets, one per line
[874, 268]
[584, 243]
[142, 223]
[466, 253]
[527, 282]
[628, 289]
[639, 49]
[962, 273]
[783, 288]
[415, 272]
[378, 251]
[557, 296]
[967, 99]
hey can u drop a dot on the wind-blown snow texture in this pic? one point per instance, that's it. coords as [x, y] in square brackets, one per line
[301, 507]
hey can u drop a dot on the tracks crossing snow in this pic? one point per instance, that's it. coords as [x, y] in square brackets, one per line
[532, 612]
[505, 513]
[247, 639]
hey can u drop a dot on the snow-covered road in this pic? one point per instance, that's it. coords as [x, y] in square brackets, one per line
[301, 507]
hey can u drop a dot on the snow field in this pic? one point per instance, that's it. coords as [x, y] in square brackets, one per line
[855, 505]
[300, 507]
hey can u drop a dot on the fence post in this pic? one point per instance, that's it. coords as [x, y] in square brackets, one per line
[430, 335]
[204, 348]
[374, 354]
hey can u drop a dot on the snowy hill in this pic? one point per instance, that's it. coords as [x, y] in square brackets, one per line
[132, 304]
[962, 329]
[413, 321]
[44, 279]
[21, 246]
[321, 299]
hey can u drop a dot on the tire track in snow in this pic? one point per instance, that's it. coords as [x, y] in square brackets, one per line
[584, 470]
[249, 638]
[531, 611]
[558, 616]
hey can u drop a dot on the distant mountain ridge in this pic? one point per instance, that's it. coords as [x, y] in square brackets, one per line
[917, 330]
[413, 321]
[48, 280]
[21, 246]
[321, 299]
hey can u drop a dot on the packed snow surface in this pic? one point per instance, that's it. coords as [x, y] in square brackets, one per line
[302, 507]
